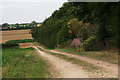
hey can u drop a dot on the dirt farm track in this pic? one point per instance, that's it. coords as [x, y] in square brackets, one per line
[14, 34]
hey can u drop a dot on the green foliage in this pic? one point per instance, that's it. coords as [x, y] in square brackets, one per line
[14, 43]
[87, 30]
[74, 26]
[20, 41]
[84, 20]
[102, 33]
[9, 45]
[5, 25]
[51, 34]
[33, 24]
[23, 63]
[62, 35]
[17, 25]
[47, 36]
[91, 44]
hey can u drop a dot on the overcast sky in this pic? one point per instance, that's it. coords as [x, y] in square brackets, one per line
[23, 11]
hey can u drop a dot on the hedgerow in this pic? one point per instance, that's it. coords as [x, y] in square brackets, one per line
[81, 20]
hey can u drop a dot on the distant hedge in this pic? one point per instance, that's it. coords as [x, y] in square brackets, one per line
[14, 43]
[19, 41]
[16, 28]
[10, 45]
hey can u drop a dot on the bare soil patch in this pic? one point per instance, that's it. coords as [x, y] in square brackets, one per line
[24, 45]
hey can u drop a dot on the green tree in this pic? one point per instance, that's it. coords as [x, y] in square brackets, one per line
[5, 25]
[33, 24]
[63, 35]
[17, 25]
[74, 26]
[102, 17]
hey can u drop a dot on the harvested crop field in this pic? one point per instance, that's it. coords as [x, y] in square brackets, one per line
[14, 35]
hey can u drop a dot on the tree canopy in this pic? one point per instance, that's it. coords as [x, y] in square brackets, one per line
[84, 20]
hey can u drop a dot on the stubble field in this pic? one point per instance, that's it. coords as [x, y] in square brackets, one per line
[14, 35]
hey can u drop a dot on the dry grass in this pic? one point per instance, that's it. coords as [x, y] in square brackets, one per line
[107, 55]
[14, 35]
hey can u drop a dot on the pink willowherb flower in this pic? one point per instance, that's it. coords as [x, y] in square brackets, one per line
[76, 42]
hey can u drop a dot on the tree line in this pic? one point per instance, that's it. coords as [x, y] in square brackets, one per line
[95, 23]
[6, 26]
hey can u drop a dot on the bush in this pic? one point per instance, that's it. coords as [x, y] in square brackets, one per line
[62, 35]
[91, 44]
[14, 43]
[74, 26]
[87, 31]
[50, 34]
[19, 41]
[9, 45]
[46, 36]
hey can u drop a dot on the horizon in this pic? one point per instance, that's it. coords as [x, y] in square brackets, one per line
[26, 12]
[20, 23]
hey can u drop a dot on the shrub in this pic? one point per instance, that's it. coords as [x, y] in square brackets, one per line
[62, 35]
[91, 44]
[74, 26]
[10, 45]
[76, 42]
[87, 31]
[84, 20]
[19, 41]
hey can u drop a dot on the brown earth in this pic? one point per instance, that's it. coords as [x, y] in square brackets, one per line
[14, 35]
[25, 45]
[62, 68]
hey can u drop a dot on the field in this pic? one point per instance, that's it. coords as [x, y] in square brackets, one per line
[19, 61]
[14, 35]
[23, 63]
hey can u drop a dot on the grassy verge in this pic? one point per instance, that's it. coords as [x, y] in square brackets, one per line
[108, 56]
[85, 65]
[23, 63]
